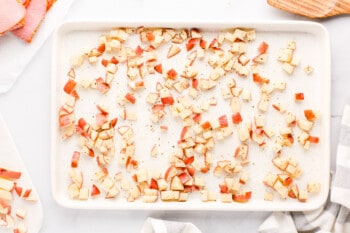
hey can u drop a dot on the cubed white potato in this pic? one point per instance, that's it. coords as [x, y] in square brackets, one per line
[243, 59]
[269, 132]
[183, 196]
[215, 124]
[285, 55]
[288, 68]
[125, 184]
[246, 95]
[313, 187]
[112, 193]
[226, 93]
[261, 58]
[226, 197]
[235, 104]
[293, 191]
[111, 68]
[76, 60]
[295, 61]
[308, 69]
[244, 177]
[149, 199]
[173, 50]
[236, 91]
[204, 195]
[199, 181]
[170, 195]
[162, 184]
[303, 195]
[280, 162]
[259, 120]
[83, 194]
[142, 175]
[303, 137]
[212, 195]
[291, 45]
[258, 138]
[185, 114]
[268, 196]
[239, 47]
[107, 183]
[73, 191]
[76, 176]
[228, 131]
[270, 179]
[290, 169]
[21, 213]
[286, 130]
[242, 151]
[264, 102]
[289, 118]
[217, 73]
[279, 85]
[6, 184]
[239, 34]
[93, 59]
[281, 189]
[243, 133]
[305, 124]
[251, 35]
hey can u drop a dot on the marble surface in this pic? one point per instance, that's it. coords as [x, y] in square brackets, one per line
[26, 109]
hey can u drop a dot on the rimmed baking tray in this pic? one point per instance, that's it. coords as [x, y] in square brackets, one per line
[313, 49]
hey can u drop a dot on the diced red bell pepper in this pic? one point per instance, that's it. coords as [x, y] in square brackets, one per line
[236, 118]
[263, 47]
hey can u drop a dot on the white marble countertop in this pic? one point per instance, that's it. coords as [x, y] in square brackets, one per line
[26, 109]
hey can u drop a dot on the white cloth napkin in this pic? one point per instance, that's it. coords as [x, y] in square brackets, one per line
[15, 54]
[335, 215]
[153, 225]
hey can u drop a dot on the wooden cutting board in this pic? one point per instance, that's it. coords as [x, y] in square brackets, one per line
[313, 8]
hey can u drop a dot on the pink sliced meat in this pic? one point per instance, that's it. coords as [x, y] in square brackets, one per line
[11, 15]
[25, 3]
[36, 11]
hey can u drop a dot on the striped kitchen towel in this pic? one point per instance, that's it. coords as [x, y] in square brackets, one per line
[334, 216]
[153, 225]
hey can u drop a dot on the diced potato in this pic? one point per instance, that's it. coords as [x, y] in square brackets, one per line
[226, 197]
[313, 187]
[303, 196]
[288, 68]
[268, 196]
[83, 194]
[305, 124]
[308, 69]
[183, 197]
[199, 181]
[270, 179]
[285, 55]
[170, 195]
[112, 193]
[264, 102]
[281, 189]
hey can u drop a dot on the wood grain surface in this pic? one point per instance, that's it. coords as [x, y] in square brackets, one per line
[313, 8]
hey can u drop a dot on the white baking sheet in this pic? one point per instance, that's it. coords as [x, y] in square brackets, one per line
[11, 159]
[312, 48]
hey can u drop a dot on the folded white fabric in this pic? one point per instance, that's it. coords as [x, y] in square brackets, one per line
[335, 215]
[15, 54]
[153, 225]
